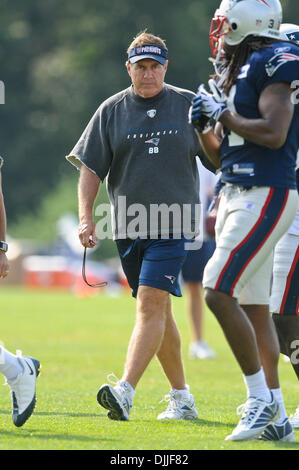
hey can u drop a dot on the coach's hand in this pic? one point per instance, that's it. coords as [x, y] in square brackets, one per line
[87, 233]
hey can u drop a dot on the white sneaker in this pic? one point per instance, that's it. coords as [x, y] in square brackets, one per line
[179, 406]
[23, 390]
[201, 350]
[294, 419]
[256, 415]
[118, 399]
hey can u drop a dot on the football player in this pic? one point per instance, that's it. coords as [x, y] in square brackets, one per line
[255, 141]
[19, 371]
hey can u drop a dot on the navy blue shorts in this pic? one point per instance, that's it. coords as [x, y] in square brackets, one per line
[196, 260]
[154, 263]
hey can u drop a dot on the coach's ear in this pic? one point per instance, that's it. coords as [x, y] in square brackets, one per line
[128, 67]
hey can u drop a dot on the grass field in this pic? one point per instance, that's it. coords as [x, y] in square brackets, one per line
[81, 340]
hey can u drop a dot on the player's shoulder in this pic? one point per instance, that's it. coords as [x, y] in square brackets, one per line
[180, 92]
[273, 50]
[271, 60]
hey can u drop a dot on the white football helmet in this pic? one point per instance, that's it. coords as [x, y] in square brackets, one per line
[289, 32]
[234, 20]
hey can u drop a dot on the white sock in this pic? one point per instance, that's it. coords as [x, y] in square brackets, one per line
[256, 386]
[128, 387]
[277, 393]
[10, 367]
[184, 393]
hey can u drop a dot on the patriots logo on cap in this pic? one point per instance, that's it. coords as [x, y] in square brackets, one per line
[278, 60]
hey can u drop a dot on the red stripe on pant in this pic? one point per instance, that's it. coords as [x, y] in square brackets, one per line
[288, 284]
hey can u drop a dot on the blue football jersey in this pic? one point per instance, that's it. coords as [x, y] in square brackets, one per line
[243, 162]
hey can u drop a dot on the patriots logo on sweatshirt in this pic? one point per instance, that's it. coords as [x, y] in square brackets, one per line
[155, 141]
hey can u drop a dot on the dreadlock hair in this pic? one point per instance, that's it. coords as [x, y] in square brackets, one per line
[235, 57]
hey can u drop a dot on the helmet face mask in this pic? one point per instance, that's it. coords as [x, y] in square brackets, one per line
[234, 20]
[219, 28]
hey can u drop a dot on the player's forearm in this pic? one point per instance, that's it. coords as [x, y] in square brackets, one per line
[87, 192]
[262, 132]
[210, 144]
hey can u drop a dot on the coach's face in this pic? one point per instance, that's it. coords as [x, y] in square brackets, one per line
[147, 77]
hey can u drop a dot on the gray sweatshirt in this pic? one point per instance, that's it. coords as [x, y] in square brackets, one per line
[146, 149]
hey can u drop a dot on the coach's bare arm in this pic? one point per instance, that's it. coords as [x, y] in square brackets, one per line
[88, 188]
[271, 130]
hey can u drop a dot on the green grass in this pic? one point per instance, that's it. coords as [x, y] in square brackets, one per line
[81, 340]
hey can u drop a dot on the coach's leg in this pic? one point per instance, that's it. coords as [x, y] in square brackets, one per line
[169, 353]
[195, 308]
[267, 341]
[237, 328]
[148, 332]
[181, 402]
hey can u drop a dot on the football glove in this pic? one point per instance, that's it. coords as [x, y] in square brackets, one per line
[200, 121]
[217, 93]
[209, 106]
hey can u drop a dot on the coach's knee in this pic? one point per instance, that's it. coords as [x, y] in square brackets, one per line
[151, 303]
